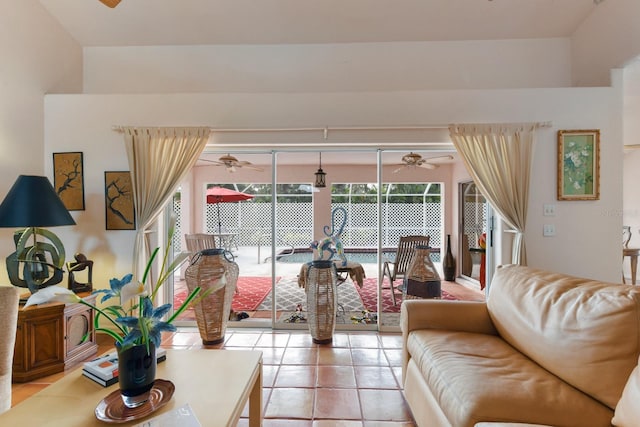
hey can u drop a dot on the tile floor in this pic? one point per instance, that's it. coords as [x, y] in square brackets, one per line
[354, 382]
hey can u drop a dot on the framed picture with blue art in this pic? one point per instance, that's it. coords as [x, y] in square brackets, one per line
[579, 164]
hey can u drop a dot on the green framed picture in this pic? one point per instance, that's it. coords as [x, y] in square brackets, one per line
[579, 164]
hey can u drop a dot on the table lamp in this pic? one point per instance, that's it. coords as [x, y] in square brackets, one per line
[33, 203]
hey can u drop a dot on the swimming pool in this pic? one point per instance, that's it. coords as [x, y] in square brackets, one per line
[359, 255]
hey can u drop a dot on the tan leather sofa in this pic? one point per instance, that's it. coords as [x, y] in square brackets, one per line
[545, 349]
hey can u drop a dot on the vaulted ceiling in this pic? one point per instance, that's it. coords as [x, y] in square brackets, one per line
[198, 22]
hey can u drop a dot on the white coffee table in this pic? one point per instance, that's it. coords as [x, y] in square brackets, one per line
[217, 384]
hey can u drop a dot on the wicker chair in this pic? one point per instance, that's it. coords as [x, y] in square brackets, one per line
[397, 269]
[9, 297]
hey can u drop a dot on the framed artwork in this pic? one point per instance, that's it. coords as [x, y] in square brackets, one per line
[118, 201]
[68, 179]
[579, 164]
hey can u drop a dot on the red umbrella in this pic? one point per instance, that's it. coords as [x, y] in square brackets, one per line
[224, 195]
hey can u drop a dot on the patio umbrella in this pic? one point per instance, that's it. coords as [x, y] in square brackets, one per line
[217, 195]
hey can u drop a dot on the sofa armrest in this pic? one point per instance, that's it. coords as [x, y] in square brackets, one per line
[463, 316]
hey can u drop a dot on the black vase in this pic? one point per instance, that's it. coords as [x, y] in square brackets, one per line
[449, 263]
[136, 374]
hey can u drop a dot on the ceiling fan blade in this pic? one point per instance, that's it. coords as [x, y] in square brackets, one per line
[399, 169]
[255, 168]
[438, 159]
[215, 162]
[427, 165]
[110, 3]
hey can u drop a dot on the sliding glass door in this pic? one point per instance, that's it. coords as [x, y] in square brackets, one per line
[473, 233]
[369, 200]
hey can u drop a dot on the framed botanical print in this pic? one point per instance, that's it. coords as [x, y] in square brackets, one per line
[118, 198]
[579, 164]
[68, 179]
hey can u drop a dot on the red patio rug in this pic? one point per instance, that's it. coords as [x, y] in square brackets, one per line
[251, 292]
[368, 294]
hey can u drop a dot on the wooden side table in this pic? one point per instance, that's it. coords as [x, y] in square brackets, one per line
[633, 254]
[50, 338]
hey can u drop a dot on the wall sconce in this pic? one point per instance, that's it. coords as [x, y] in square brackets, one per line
[320, 176]
[33, 203]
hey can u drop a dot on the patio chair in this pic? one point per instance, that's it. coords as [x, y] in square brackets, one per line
[397, 269]
[199, 241]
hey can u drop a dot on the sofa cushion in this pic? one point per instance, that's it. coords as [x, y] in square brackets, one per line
[479, 377]
[585, 332]
[628, 410]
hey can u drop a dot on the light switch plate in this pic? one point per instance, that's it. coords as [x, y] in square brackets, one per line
[549, 210]
[549, 230]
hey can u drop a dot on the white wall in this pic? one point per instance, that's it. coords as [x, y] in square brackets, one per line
[609, 38]
[84, 122]
[329, 67]
[37, 58]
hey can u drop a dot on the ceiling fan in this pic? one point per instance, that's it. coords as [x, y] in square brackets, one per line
[414, 159]
[232, 164]
[110, 3]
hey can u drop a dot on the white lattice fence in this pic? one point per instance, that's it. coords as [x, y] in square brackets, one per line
[252, 223]
[475, 215]
[398, 219]
[294, 224]
[177, 235]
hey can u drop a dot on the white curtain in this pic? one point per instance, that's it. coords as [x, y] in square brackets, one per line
[498, 157]
[159, 159]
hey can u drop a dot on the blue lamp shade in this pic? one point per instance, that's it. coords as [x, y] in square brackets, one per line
[33, 202]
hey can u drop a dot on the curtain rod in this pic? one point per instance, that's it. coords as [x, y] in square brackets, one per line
[326, 129]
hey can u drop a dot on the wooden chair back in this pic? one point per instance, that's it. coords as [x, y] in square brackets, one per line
[404, 254]
[199, 241]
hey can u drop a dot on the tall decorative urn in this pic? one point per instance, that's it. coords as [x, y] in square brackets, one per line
[217, 275]
[322, 300]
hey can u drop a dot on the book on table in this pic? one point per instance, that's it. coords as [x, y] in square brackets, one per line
[104, 369]
[104, 383]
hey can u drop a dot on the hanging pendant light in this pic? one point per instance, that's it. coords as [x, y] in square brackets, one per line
[320, 176]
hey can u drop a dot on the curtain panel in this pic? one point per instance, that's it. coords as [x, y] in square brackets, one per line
[498, 158]
[159, 159]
